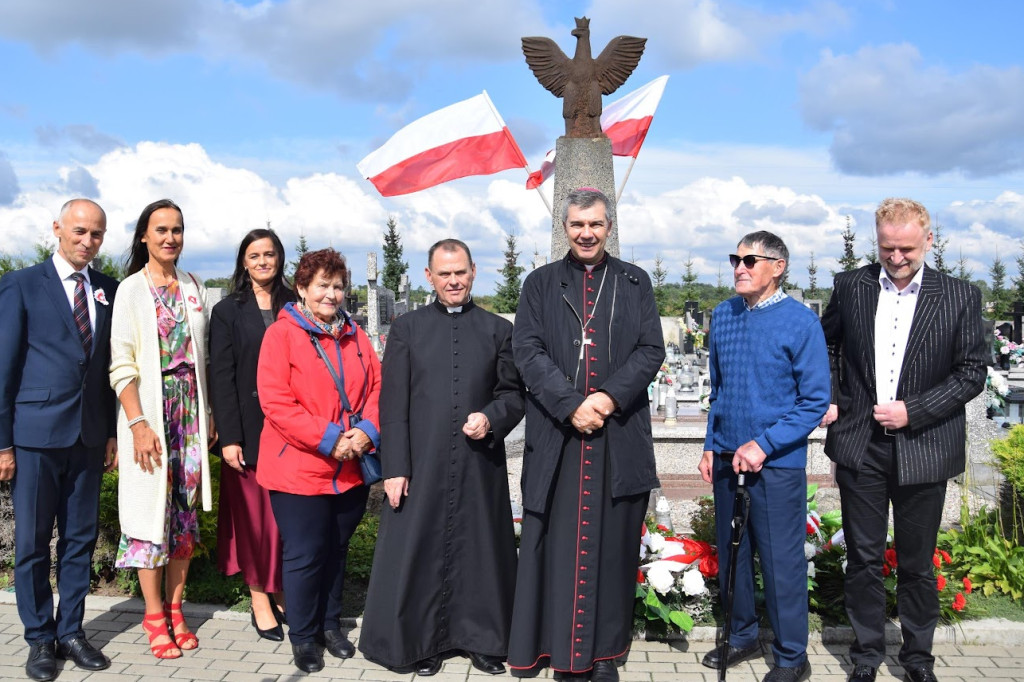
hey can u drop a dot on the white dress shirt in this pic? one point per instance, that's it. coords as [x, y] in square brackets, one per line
[64, 271]
[893, 317]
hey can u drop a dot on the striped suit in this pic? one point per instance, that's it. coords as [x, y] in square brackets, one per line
[943, 368]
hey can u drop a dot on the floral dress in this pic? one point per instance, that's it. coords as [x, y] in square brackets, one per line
[181, 435]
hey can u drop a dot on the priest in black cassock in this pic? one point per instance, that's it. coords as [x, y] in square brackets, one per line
[445, 564]
[588, 342]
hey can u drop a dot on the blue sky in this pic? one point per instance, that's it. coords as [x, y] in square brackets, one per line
[786, 116]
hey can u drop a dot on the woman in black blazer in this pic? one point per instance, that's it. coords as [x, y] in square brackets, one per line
[248, 541]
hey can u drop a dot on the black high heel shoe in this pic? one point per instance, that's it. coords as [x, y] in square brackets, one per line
[279, 613]
[274, 634]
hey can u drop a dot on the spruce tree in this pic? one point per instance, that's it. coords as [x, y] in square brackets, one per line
[998, 290]
[849, 260]
[506, 298]
[939, 251]
[658, 276]
[962, 273]
[812, 278]
[301, 249]
[394, 267]
[690, 291]
[1018, 282]
[871, 255]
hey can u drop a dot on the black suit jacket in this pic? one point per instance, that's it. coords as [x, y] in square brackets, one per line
[51, 394]
[236, 334]
[943, 369]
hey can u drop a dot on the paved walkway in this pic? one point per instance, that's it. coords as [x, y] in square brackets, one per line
[230, 651]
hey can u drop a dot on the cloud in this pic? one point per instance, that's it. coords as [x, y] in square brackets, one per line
[799, 213]
[80, 182]
[889, 112]
[83, 135]
[8, 181]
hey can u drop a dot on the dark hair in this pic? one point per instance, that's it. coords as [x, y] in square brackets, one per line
[584, 198]
[449, 245]
[771, 244]
[328, 261]
[241, 285]
[137, 255]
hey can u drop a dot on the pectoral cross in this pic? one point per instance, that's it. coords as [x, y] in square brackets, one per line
[583, 347]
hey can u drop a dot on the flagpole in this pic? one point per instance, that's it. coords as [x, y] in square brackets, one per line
[508, 133]
[618, 195]
[542, 196]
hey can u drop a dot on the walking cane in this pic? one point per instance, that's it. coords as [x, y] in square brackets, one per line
[740, 513]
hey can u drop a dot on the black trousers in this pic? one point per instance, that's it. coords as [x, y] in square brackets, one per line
[61, 484]
[917, 513]
[315, 530]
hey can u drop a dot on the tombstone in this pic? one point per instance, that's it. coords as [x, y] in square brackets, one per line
[690, 311]
[539, 260]
[796, 294]
[988, 328]
[1018, 317]
[814, 304]
[402, 300]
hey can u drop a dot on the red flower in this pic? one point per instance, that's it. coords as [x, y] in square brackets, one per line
[810, 528]
[967, 585]
[890, 557]
[640, 576]
[959, 602]
[709, 566]
[940, 581]
[936, 559]
[663, 529]
[945, 556]
[886, 570]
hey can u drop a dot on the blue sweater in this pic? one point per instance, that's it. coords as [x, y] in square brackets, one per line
[769, 379]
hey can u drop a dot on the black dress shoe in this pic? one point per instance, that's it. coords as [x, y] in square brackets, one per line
[863, 673]
[337, 645]
[274, 634]
[42, 661]
[488, 664]
[604, 671]
[85, 655]
[713, 658]
[919, 673]
[788, 674]
[429, 666]
[307, 657]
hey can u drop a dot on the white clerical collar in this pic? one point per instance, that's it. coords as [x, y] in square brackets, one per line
[454, 308]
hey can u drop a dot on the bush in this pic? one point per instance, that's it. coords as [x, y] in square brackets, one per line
[1009, 454]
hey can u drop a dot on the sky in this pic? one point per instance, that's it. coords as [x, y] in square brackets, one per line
[787, 116]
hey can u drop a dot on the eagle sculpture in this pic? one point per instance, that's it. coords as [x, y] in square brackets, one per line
[582, 80]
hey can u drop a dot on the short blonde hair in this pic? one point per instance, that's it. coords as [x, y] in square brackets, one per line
[899, 210]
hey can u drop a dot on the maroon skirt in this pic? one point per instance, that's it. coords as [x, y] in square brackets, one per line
[248, 541]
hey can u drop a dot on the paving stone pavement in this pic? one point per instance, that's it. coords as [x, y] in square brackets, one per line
[230, 651]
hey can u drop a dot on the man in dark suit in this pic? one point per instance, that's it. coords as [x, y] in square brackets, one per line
[907, 352]
[57, 431]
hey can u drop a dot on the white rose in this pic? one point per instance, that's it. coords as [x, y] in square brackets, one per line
[657, 542]
[811, 570]
[1005, 350]
[809, 551]
[518, 528]
[660, 578]
[693, 583]
[839, 538]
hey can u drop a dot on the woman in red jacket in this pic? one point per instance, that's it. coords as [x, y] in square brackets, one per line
[311, 440]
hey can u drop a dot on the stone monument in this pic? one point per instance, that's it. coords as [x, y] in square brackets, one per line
[584, 153]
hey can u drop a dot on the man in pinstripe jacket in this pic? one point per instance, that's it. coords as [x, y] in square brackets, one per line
[907, 353]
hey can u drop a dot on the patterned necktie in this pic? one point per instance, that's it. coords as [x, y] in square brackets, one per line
[81, 311]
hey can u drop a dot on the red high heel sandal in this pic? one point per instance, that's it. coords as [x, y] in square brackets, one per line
[155, 625]
[184, 640]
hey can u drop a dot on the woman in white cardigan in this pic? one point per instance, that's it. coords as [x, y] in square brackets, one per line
[158, 370]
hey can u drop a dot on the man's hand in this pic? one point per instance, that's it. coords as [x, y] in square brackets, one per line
[749, 457]
[110, 456]
[477, 425]
[233, 457]
[147, 447]
[707, 465]
[396, 488]
[590, 416]
[831, 415]
[7, 464]
[892, 415]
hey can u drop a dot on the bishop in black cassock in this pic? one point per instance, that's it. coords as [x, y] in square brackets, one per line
[587, 341]
[445, 562]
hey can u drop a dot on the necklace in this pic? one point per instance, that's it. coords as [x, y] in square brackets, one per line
[179, 316]
[586, 320]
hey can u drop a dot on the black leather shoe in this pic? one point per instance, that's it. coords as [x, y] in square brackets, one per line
[337, 645]
[274, 634]
[282, 617]
[863, 673]
[488, 664]
[713, 658]
[85, 655]
[307, 657]
[42, 661]
[604, 671]
[788, 674]
[429, 666]
[919, 673]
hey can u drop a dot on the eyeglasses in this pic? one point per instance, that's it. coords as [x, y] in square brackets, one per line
[749, 261]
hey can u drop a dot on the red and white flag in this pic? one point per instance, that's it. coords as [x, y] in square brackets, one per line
[625, 121]
[466, 138]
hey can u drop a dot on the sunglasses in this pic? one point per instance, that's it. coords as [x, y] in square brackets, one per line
[749, 261]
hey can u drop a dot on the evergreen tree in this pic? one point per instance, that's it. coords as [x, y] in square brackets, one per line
[872, 254]
[849, 260]
[812, 278]
[998, 290]
[506, 298]
[301, 249]
[939, 251]
[394, 267]
[962, 273]
[658, 276]
[690, 290]
[1018, 282]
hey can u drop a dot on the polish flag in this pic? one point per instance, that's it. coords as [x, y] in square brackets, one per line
[466, 138]
[625, 121]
